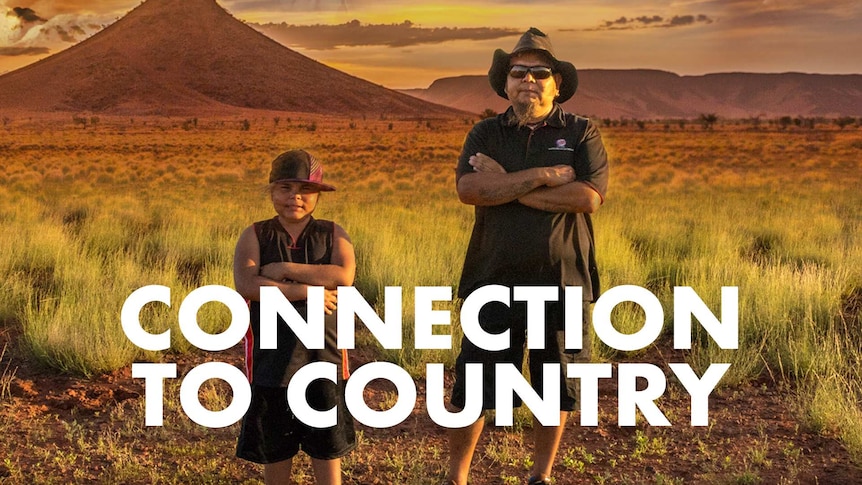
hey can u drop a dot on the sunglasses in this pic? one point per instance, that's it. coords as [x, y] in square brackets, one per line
[538, 72]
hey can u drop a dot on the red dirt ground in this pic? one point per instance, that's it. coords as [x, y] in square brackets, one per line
[743, 421]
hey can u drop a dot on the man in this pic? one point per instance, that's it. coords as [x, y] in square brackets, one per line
[534, 174]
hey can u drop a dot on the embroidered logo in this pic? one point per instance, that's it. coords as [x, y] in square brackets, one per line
[560, 145]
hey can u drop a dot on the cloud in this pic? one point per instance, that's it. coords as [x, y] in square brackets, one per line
[354, 33]
[678, 20]
[26, 32]
[27, 14]
[649, 20]
[652, 21]
[23, 51]
[295, 5]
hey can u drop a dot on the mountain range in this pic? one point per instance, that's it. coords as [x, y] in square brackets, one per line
[191, 57]
[652, 94]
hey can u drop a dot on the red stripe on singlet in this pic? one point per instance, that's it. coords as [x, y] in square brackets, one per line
[248, 343]
[345, 365]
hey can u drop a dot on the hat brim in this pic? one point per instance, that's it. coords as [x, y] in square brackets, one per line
[319, 186]
[500, 69]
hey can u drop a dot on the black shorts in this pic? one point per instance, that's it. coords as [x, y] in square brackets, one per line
[271, 433]
[495, 318]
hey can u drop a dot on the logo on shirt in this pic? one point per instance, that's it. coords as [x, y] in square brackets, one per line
[561, 145]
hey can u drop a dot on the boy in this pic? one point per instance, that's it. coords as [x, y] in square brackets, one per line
[293, 251]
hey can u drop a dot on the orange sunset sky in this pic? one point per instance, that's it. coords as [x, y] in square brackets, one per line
[402, 44]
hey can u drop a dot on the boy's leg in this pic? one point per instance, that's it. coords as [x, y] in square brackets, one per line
[462, 444]
[326, 446]
[277, 473]
[546, 441]
[326, 472]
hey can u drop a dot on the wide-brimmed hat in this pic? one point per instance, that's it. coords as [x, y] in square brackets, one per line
[298, 166]
[533, 40]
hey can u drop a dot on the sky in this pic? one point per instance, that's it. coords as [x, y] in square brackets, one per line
[408, 44]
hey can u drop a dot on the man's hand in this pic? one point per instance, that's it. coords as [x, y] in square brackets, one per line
[490, 184]
[483, 163]
[550, 176]
[558, 175]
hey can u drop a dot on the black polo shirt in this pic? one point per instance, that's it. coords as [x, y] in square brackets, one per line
[513, 244]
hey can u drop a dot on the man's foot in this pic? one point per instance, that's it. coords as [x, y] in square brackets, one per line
[539, 481]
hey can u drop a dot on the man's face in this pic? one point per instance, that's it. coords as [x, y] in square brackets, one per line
[530, 96]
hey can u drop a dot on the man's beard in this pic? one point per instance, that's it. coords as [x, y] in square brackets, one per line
[527, 113]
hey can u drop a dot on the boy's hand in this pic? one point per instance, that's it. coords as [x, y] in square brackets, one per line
[330, 301]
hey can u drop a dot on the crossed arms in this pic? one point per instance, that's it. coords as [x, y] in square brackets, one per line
[293, 279]
[551, 189]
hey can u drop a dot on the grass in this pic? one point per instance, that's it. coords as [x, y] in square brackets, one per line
[7, 377]
[90, 215]
[113, 449]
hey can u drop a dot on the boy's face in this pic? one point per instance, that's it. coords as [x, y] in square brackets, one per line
[294, 201]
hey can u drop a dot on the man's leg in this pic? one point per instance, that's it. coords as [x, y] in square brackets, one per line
[494, 318]
[326, 472]
[546, 441]
[277, 473]
[462, 445]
